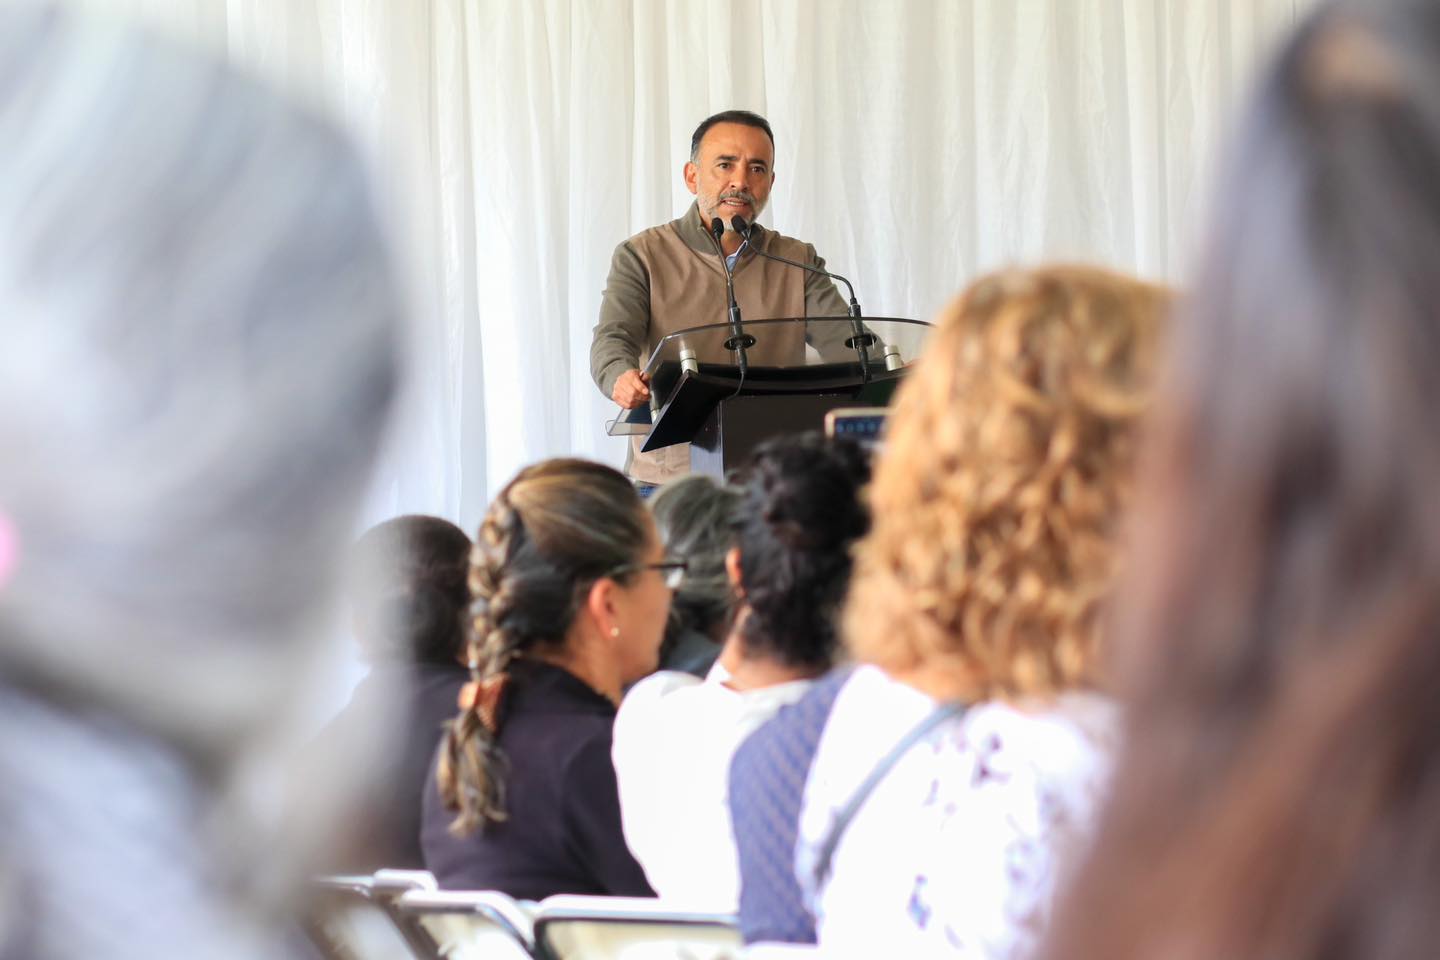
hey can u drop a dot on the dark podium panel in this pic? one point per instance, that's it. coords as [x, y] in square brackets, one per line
[738, 425]
[798, 370]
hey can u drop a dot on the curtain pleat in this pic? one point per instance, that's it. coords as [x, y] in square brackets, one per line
[919, 142]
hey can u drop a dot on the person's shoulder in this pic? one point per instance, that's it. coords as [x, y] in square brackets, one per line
[439, 678]
[663, 683]
[1074, 716]
[786, 246]
[869, 689]
[794, 730]
[667, 233]
[1069, 737]
[663, 691]
[871, 713]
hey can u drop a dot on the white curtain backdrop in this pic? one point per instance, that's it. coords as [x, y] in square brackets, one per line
[918, 142]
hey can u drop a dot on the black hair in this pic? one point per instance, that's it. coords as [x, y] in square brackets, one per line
[800, 515]
[743, 117]
[409, 594]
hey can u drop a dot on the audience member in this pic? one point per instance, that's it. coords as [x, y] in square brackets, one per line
[767, 786]
[571, 591]
[693, 515]
[408, 597]
[675, 734]
[1278, 791]
[1007, 465]
[198, 359]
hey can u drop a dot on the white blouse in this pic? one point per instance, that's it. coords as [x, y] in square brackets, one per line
[960, 848]
[674, 738]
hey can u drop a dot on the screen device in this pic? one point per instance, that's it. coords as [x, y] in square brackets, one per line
[864, 424]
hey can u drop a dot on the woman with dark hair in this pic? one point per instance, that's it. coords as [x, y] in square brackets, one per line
[571, 590]
[789, 566]
[694, 516]
[962, 761]
[408, 598]
[408, 591]
[1278, 792]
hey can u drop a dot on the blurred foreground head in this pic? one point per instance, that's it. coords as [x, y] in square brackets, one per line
[1008, 464]
[198, 356]
[1282, 631]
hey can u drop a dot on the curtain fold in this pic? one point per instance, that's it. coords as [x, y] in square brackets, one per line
[516, 142]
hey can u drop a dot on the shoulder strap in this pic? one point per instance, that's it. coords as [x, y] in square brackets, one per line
[942, 712]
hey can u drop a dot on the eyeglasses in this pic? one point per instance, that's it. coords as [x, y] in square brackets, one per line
[671, 571]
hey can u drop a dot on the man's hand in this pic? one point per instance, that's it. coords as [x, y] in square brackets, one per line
[631, 390]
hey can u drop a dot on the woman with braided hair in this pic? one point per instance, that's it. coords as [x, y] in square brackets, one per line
[570, 595]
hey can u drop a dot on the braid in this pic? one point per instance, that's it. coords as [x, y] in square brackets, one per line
[492, 648]
[553, 530]
[471, 763]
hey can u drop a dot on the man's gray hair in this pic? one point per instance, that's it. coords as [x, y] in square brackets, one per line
[694, 517]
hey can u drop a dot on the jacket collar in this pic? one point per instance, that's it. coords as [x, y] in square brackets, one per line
[697, 238]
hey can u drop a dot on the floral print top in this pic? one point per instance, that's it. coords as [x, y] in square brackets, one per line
[961, 847]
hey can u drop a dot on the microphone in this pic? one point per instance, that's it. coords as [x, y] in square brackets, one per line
[739, 339]
[860, 338]
[739, 225]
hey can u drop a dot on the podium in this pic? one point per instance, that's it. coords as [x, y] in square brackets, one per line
[797, 369]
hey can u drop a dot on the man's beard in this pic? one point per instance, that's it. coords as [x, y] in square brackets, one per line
[710, 207]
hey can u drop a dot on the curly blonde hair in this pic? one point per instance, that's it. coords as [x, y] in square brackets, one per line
[1008, 460]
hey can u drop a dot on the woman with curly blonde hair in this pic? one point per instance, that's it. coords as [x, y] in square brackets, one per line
[974, 613]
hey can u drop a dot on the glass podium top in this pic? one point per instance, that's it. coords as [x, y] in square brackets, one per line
[783, 355]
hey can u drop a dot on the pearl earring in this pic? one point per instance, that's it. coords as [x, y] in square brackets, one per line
[615, 632]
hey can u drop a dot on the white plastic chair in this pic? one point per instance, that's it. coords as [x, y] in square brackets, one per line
[471, 925]
[632, 928]
[353, 917]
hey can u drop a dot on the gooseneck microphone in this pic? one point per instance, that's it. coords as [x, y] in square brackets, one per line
[739, 339]
[860, 338]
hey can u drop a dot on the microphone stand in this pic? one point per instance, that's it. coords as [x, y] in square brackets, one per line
[739, 340]
[860, 339]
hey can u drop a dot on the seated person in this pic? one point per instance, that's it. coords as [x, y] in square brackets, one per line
[571, 590]
[767, 786]
[694, 515]
[409, 598]
[1277, 791]
[974, 618]
[675, 734]
[201, 322]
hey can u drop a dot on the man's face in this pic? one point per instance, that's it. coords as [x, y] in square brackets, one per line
[732, 175]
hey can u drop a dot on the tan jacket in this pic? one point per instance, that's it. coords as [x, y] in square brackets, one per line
[670, 278]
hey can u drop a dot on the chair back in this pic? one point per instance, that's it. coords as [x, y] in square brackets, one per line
[471, 925]
[632, 928]
[353, 917]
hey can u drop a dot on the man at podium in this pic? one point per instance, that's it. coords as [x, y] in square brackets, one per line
[670, 277]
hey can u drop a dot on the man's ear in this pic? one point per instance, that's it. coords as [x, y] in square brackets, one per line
[692, 177]
[732, 569]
